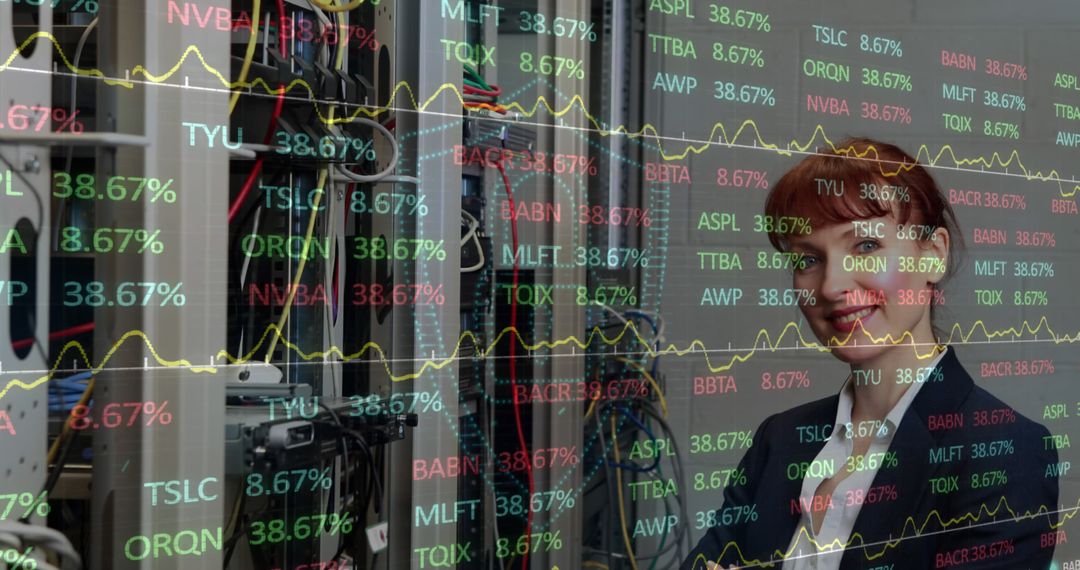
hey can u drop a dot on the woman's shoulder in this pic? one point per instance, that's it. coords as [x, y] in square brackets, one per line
[987, 412]
[959, 406]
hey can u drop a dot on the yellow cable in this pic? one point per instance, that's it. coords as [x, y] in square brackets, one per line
[234, 518]
[592, 404]
[655, 385]
[249, 54]
[660, 393]
[54, 449]
[337, 9]
[303, 262]
[592, 408]
[338, 64]
[618, 487]
[594, 564]
[340, 61]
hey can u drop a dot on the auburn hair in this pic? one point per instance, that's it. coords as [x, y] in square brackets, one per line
[812, 191]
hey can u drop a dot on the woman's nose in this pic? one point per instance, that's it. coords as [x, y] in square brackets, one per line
[835, 282]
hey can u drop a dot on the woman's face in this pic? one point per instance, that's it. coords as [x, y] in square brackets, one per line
[868, 278]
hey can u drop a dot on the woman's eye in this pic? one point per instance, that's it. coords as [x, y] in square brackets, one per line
[867, 246]
[805, 262]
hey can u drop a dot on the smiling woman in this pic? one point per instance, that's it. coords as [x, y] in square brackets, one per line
[875, 197]
[907, 458]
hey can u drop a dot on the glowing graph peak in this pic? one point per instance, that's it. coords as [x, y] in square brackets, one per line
[718, 135]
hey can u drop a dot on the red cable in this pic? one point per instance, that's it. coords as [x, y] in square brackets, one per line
[344, 223]
[495, 92]
[496, 108]
[246, 189]
[513, 365]
[55, 335]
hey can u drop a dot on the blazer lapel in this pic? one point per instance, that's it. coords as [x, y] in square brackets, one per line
[898, 492]
[778, 501]
[880, 525]
[775, 500]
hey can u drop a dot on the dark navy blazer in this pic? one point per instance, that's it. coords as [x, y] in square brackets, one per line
[953, 522]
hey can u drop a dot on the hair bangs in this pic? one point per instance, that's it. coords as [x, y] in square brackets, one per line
[830, 188]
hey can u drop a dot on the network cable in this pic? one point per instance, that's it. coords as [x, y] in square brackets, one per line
[339, 62]
[621, 505]
[471, 235]
[518, 424]
[622, 409]
[337, 9]
[275, 115]
[249, 53]
[478, 94]
[40, 537]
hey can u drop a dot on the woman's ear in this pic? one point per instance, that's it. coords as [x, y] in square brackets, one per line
[938, 246]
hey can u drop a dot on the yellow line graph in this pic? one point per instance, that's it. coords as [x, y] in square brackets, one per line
[924, 154]
[763, 340]
[916, 530]
[76, 346]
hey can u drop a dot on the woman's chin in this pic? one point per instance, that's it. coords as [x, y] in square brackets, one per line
[857, 349]
[851, 354]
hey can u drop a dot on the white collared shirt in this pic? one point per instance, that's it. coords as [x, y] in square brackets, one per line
[823, 550]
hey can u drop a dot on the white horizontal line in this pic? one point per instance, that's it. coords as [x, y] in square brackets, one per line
[546, 125]
[528, 354]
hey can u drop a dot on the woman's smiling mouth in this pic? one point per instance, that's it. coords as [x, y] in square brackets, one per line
[844, 320]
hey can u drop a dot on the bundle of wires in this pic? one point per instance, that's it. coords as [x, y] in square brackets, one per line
[19, 536]
[478, 94]
[64, 393]
[631, 417]
[625, 419]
